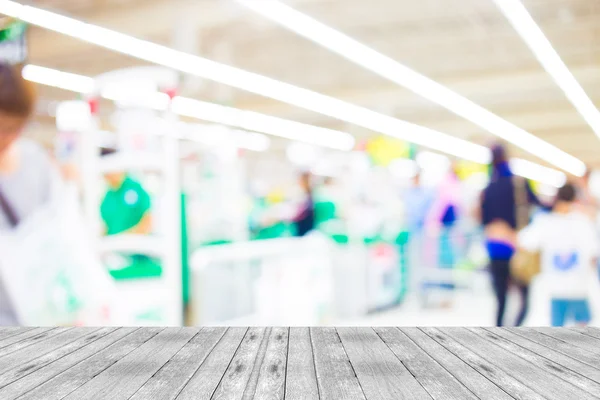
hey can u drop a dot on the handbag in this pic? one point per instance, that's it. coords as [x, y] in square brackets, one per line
[524, 265]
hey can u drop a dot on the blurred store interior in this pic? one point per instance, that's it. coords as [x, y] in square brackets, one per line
[293, 162]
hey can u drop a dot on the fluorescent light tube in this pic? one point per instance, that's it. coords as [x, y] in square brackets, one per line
[530, 32]
[248, 120]
[388, 68]
[536, 172]
[248, 81]
[253, 121]
[62, 80]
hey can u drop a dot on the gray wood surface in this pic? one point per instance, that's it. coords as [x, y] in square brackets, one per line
[301, 378]
[299, 363]
[538, 376]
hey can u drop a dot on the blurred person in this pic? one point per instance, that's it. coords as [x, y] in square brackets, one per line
[305, 218]
[418, 201]
[443, 216]
[28, 178]
[498, 213]
[568, 242]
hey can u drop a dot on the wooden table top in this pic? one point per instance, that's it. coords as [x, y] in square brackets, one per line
[299, 363]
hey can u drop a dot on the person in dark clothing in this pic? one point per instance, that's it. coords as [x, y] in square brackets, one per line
[305, 220]
[499, 210]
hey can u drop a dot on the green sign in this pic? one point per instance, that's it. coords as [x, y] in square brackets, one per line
[13, 41]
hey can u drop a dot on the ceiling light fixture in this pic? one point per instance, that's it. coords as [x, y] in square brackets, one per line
[59, 79]
[530, 32]
[410, 79]
[253, 121]
[247, 120]
[536, 172]
[248, 81]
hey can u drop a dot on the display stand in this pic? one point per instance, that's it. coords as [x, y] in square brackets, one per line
[153, 148]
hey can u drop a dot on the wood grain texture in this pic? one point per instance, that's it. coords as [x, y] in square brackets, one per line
[586, 342]
[335, 375]
[39, 377]
[235, 381]
[28, 337]
[536, 376]
[168, 382]
[204, 382]
[299, 363]
[301, 379]
[552, 363]
[470, 377]
[39, 358]
[8, 331]
[39, 348]
[122, 379]
[65, 383]
[524, 337]
[490, 370]
[593, 332]
[434, 378]
[380, 373]
[272, 375]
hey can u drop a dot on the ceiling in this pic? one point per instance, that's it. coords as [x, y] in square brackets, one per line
[467, 45]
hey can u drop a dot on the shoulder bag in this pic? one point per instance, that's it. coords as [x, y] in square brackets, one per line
[524, 265]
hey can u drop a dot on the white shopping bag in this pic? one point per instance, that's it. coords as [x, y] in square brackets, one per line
[52, 273]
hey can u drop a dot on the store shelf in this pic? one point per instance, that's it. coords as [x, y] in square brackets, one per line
[127, 161]
[133, 244]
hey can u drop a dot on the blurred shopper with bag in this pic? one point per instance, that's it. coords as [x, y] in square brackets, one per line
[568, 243]
[48, 272]
[505, 205]
[28, 179]
[305, 218]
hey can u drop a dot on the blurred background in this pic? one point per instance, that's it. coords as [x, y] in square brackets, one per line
[297, 162]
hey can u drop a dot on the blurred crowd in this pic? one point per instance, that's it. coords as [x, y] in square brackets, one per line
[525, 238]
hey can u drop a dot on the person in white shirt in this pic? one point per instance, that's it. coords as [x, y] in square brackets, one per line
[568, 243]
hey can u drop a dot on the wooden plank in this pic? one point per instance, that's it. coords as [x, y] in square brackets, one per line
[18, 341]
[552, 362]
[438, 382]
[9, 331]
[126, 376]
[44, 353]
[529, 373]
[553, 344]
[272, 375]
[487, 369]
[39, 377]
[238, 374]
[468, 376]
[173, 376]
[301, 379]
[588, 367]
[584, 341]
[335, 375]
[206, 379]
[593, 332]
[380, 373]
[38, 349]
[65, 383]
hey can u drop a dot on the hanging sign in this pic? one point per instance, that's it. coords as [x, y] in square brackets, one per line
[383, 150]
[465, 169]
